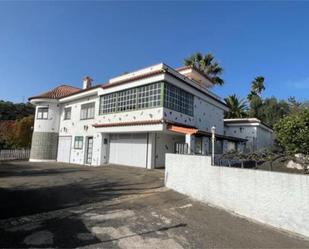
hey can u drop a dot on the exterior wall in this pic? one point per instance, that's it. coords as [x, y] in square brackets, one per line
[130, 116]
[44, 146]
[45, 134]
[51, 124]
[165, 143]
[246, 132]
[264, 138]
[77, 127]
[207, 111]
[277, 199]
[258, 137]
[206, 115]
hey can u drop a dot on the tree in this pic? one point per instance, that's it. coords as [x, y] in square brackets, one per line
[23, 132]
[255, 105]
[238, 107]
[254, 97]
[6, 134]
[258, 86]
[294, 105]
[207, 65]
[272, 110]
[292, 132]
[11, 111]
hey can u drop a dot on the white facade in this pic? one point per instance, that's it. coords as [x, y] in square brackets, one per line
[140, 135]
[258, 135]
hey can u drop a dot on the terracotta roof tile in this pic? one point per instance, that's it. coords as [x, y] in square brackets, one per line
[58, 92]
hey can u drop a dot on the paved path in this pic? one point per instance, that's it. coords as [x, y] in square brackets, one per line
[54, 205]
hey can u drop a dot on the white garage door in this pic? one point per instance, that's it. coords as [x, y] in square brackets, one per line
[64, 149]
[128, 149]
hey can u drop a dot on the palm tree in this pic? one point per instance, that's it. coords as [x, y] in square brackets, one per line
[207, 65]
[258, 86]
[251, 95]
[254, 97]
[238, 107]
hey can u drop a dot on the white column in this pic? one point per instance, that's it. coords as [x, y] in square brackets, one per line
[190, 141]
[151, 150]
[96, 150]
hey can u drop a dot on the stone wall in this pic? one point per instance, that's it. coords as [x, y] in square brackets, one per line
[44, 146]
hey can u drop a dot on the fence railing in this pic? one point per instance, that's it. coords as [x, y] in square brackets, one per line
[237, 163]
[14, 154]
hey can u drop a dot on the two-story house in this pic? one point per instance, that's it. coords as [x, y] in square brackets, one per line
[133, 119]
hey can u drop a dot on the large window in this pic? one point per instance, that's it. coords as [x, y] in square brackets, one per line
[42, 113]
[87, 111]
[127, 100]
[135, 98]
[67, 113]
[78, 142]
[148, 96]
[178, 99]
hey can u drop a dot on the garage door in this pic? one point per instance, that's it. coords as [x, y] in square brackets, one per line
[64, 149]
[128, 149]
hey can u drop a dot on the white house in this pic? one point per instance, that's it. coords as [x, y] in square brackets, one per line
[133, 119]
[259, 136]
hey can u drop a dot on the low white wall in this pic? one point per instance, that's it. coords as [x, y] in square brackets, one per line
[277, 199]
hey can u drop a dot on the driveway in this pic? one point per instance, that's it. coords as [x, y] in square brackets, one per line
[60, 205]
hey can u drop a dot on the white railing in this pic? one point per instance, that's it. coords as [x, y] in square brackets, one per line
[14, 154]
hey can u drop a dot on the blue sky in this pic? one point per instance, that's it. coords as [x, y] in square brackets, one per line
[44, 44]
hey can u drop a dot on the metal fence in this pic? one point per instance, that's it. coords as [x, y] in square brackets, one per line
[237, 163]
[14, 154]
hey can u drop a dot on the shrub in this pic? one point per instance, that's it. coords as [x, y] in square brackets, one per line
[292, 132]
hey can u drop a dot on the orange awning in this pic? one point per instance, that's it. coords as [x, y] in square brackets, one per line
[181, 129]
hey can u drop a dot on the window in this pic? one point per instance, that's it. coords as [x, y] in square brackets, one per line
[78, 142]
[178, 99]
[87, 111]
[67, 113]
[149, 96]
[42, 113]
[127, 100]
[132, 99]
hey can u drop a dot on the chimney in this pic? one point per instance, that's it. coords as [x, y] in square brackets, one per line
[87, 82]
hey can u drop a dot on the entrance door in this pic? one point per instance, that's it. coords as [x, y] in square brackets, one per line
[64, 149]
[89, 148]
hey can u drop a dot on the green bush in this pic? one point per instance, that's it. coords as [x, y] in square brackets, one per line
[292, 132]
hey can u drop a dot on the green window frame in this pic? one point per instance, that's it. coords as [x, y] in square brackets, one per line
[78, 142]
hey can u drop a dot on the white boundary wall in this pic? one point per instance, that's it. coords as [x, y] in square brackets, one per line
[277, 199]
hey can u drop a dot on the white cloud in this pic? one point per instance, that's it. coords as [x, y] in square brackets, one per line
[301, 84]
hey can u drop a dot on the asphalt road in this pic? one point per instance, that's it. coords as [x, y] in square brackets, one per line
[66, 206]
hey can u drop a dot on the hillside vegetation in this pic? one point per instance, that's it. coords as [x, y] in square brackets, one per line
[16, 122]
